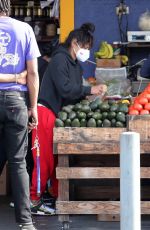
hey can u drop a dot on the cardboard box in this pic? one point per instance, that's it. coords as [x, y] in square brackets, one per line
[3, 182]
[108, 63]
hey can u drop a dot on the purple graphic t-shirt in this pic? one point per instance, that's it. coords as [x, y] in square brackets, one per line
[17, 45]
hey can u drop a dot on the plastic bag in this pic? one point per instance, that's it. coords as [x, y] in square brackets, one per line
[115, 79]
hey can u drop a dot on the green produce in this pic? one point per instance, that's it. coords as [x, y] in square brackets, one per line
[77, 107]
[67, 109]
[106, 123]
[86, 108]
[81, 115]
[121, 117]
[68, 122]
[59, 123]
[114, 108]
[113, 122]
[99, 123]
[120, 124]
[83, 122]
[62, 115]
[75, 123]
[72, 115]
[91, 122]
[97, 116]
[90, 114]
[104, 107]
[111, 115]
[123, 108]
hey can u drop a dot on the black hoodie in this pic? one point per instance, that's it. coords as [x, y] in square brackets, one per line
[62, 82]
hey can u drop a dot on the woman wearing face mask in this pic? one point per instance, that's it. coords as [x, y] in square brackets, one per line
[61, 85]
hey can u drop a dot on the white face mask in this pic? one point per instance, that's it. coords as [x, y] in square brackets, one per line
[82, 54]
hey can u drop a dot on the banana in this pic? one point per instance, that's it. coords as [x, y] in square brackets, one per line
[105, 51]
[124, 59]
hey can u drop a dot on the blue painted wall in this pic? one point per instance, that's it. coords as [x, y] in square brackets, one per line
[103, 14]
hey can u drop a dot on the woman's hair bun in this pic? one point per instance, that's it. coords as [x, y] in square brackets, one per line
[88, 27]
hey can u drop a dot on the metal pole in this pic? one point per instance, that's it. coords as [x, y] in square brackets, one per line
[130, 210]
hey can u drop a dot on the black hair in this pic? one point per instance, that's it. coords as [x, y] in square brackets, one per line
[49, 48]
[83, 35]
[4, 6]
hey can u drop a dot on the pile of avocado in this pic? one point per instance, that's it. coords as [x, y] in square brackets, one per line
[98, 113]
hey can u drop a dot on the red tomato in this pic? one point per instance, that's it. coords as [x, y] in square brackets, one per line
[144, 112]
[142, 100]
[137, 106]
[147, 106]
[133, 112]
[146, 95]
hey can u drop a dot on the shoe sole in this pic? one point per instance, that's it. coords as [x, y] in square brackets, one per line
[42, 214]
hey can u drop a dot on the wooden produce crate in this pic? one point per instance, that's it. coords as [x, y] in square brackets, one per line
[95, 142]
[108, 63]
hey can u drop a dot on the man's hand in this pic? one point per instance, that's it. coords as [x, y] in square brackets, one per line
[33, 118]
[99, 89]
[22, 78]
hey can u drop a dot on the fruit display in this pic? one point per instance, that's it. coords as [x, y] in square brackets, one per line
[98, 113]
[106, 51]
[141, 103]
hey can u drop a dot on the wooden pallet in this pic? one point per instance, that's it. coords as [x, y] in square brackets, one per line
[95, 142]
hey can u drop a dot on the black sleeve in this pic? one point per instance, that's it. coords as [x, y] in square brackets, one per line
[145, 69]
[63, 83]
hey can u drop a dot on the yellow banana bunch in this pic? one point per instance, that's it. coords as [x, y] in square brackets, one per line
[124, 59]
[105, 51]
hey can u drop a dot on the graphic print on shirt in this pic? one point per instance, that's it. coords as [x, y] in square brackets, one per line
[6, 58]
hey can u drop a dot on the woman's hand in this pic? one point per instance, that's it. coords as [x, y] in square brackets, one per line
[33, 118]
[22, 78]
[99, 89]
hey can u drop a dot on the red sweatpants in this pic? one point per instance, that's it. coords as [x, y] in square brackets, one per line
[48, 161]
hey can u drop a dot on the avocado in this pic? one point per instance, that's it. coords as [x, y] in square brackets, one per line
[104, 107]
[99, 123]
[120, 124]
[121, 117]
[66, 109]
[113, 122]
[111, 115]
[106, 123]
[68, 122]
[123, 108]
[59, 123]
[114, 108]
[91, 122]
[72, 115]
[90, 114]
[97, 116]
[85, 108]
[93, 105]
[104, 115]
[75, 122]
[81, 115]
[85, 102]
[62, 115]
[83, 122]
[77, 107]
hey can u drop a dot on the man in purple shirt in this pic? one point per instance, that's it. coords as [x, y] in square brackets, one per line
[18, 52]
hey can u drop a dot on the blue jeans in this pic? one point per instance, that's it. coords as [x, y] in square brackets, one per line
[13, 129]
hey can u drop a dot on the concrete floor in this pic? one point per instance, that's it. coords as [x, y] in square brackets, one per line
[78, 222]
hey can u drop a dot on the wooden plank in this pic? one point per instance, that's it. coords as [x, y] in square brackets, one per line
[63, 188]
[94, 173]
[95, 207]
[87, 207]
[108, 217]
[103, 147]
[140, 124]
[75, 135]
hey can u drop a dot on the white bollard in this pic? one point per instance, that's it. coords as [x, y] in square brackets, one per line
[130, 208]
